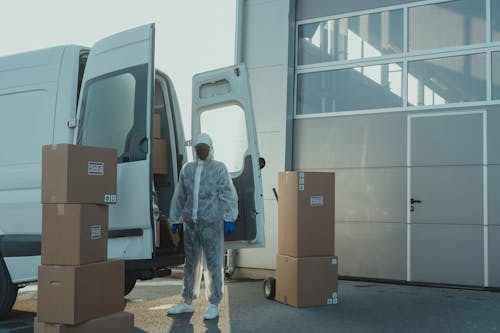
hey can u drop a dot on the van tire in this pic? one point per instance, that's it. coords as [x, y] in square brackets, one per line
[269, 288]
[130, 280]
[8, 290]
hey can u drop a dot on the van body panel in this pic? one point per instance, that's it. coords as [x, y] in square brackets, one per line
[67, 92]
[23, 269]
[34, 92]
[30, 68]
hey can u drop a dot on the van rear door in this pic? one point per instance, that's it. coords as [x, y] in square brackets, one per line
[114, 111]
[222, 107]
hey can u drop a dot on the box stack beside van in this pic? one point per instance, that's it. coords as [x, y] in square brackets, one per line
[79, 290]
[306, 265]
[164, 238]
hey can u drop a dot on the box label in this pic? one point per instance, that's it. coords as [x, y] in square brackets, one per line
[334, 298]
[301, 187]
[317, 201]
[95, 168]
[95, 232]
[334, 261]
[301, 180]
[110, 198]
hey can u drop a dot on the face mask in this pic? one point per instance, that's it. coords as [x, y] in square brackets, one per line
[202, 151]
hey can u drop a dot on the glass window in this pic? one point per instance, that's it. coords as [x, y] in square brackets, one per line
[447, 80]
[350, 38]
[452, 23]
[113, 113]
[495, 20]
[360, 88]
[230, 142]
[495, 90]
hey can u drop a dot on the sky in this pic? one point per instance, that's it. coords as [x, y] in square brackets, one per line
[191, 35]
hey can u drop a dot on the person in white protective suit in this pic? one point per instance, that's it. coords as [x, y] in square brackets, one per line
[205, 201]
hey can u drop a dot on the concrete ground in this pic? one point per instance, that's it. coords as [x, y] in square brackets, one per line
[363, 307]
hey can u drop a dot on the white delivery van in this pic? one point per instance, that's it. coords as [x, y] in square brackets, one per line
[106, 96]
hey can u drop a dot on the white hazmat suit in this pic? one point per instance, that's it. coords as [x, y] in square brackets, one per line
[204, 198]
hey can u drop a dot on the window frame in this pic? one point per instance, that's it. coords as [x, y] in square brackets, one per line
[488, 48]
[139, 73]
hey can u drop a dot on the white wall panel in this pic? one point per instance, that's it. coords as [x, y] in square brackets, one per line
[265, 33]
[376, 250]
[269, 93]
[265, 257]
[271, 146]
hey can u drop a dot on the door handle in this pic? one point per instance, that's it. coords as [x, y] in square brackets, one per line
[413, 201]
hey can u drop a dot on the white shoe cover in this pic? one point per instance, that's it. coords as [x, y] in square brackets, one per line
[181, 308]
[212, 312]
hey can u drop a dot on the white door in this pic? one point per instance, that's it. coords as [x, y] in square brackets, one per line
[222, 107]
[115, 111]
[446, 198]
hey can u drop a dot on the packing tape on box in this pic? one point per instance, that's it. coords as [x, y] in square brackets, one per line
[60, 209]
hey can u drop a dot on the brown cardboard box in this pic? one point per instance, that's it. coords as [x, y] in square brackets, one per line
[75, 294]
[121, 322]
[164, 236]
[74, 234]
[156, 126]
[311, 281]
[160, 156]
[78, 174]
[306, 214]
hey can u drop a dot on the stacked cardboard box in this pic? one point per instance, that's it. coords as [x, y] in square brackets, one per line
[306, 265]
[79, 290]
[160, 148]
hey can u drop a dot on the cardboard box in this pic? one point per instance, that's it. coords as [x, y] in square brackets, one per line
[156, 126]
[74, 234]
[78, 174]
[164, 237]
[306, 214]
[311, 281]
[121, 322]
[74, 294]
[160, 156]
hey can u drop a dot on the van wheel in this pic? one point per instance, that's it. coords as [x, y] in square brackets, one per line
[130, 280]
[270, 288]
[8, 290]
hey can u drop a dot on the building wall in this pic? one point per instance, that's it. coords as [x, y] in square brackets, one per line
[425, 133]
[385, 156]
[266, 44]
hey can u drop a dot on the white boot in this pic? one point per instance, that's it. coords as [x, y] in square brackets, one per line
[212, 311]
[181, 308]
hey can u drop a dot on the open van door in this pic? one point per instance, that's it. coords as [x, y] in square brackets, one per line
[114, 111]
[222, 107]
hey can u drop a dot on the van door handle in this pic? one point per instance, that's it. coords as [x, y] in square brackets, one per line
[413, 201]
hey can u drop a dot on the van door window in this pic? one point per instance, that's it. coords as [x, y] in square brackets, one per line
[229, 141]
[113, 113]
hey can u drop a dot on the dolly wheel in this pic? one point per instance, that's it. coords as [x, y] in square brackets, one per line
[270, 287]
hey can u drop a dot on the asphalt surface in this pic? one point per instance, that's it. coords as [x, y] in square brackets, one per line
[363, 307]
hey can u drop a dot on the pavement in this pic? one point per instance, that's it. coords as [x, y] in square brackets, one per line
[363, 307]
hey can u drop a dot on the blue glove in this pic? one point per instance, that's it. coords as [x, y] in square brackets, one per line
[176, 228]
[229, 227]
